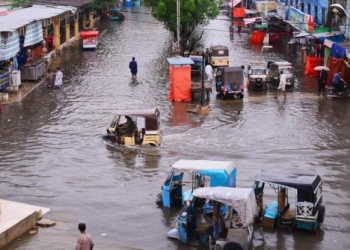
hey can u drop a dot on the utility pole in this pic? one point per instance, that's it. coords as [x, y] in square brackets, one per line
[178, 22]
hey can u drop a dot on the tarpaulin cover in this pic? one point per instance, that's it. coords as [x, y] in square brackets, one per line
[241, 199]
[88, 34]
[257, 36]
[180, 84]
[334, 66]
[336, 39]
[34, 33]
[338, 51]
[14, 19]
[9, 45]
[238, 12]
[311, 63]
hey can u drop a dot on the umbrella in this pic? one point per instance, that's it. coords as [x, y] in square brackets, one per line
[319, 68]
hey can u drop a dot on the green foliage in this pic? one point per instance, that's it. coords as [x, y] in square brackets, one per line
[193, 13]
[99, 4]
[18, 3]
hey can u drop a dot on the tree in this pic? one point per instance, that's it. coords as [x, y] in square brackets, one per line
[193, 13]
[100, 4]
[18, 3]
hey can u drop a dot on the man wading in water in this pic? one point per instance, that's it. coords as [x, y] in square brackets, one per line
[85, 241]
[133, 68]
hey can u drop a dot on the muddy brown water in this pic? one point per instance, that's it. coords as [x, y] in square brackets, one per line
[52, 154]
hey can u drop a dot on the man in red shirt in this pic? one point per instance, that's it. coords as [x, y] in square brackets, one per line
[85, 241]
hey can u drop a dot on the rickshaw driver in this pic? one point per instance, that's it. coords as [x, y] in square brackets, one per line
[338, 82]
[125, 128]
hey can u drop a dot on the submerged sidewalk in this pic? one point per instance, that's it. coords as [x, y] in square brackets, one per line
[24, 89]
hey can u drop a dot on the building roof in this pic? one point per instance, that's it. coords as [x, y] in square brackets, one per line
[74, 3]
[18, 18]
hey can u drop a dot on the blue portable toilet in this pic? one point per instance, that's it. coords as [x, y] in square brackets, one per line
[128, 3]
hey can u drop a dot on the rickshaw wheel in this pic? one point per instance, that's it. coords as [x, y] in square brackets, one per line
[232, 246]
[321, 214]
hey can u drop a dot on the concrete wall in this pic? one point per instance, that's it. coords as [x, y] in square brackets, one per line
[17, 230]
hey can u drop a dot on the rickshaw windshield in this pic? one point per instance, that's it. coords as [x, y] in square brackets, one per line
[219, 52]
[287, 70]
[114, 121]
[258, 71]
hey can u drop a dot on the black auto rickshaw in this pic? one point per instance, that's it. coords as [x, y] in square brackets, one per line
[135, 127]
[229, 82]
[308, 212]
[218, 56]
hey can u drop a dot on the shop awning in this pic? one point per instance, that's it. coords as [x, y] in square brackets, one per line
[34, 33]
[75, 3]
[9, 45]
[18, 18]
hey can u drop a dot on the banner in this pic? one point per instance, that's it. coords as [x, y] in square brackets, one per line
[309, 23]
[282, 10]
[297, 18]
[238, 12]
[265, 7]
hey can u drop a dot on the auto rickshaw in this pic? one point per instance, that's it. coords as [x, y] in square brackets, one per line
[274, 73]
[229, 82]
[202, 173]
[230, 231]
[142, 127]
[257, 76]
[116, 14]
[308, 212]
[218, 56]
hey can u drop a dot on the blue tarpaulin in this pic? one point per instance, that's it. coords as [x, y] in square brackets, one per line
[9, 45]
[334, 39]
[338, 51]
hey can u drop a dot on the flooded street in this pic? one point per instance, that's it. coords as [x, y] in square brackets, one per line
[52, 153]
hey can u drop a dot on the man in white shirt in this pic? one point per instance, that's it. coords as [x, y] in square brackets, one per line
[282, 85]
[59, 78]
[209, 72]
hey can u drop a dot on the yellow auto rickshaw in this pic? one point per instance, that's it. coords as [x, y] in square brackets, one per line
[135, 127]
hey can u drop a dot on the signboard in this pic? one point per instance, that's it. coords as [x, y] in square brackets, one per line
[297, 18]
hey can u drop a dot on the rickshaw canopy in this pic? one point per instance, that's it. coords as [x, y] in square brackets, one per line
[241, 199]
[232, 74]
[219, 50]
[306, 184]
[151, 113]
[88, 34]
[219, 171]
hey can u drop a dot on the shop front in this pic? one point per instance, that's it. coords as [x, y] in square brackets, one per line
[32, 63]
[9, 47]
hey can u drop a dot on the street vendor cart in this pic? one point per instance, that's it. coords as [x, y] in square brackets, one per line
[90, 39]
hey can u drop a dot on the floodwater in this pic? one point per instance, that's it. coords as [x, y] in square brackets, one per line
[52, 154]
